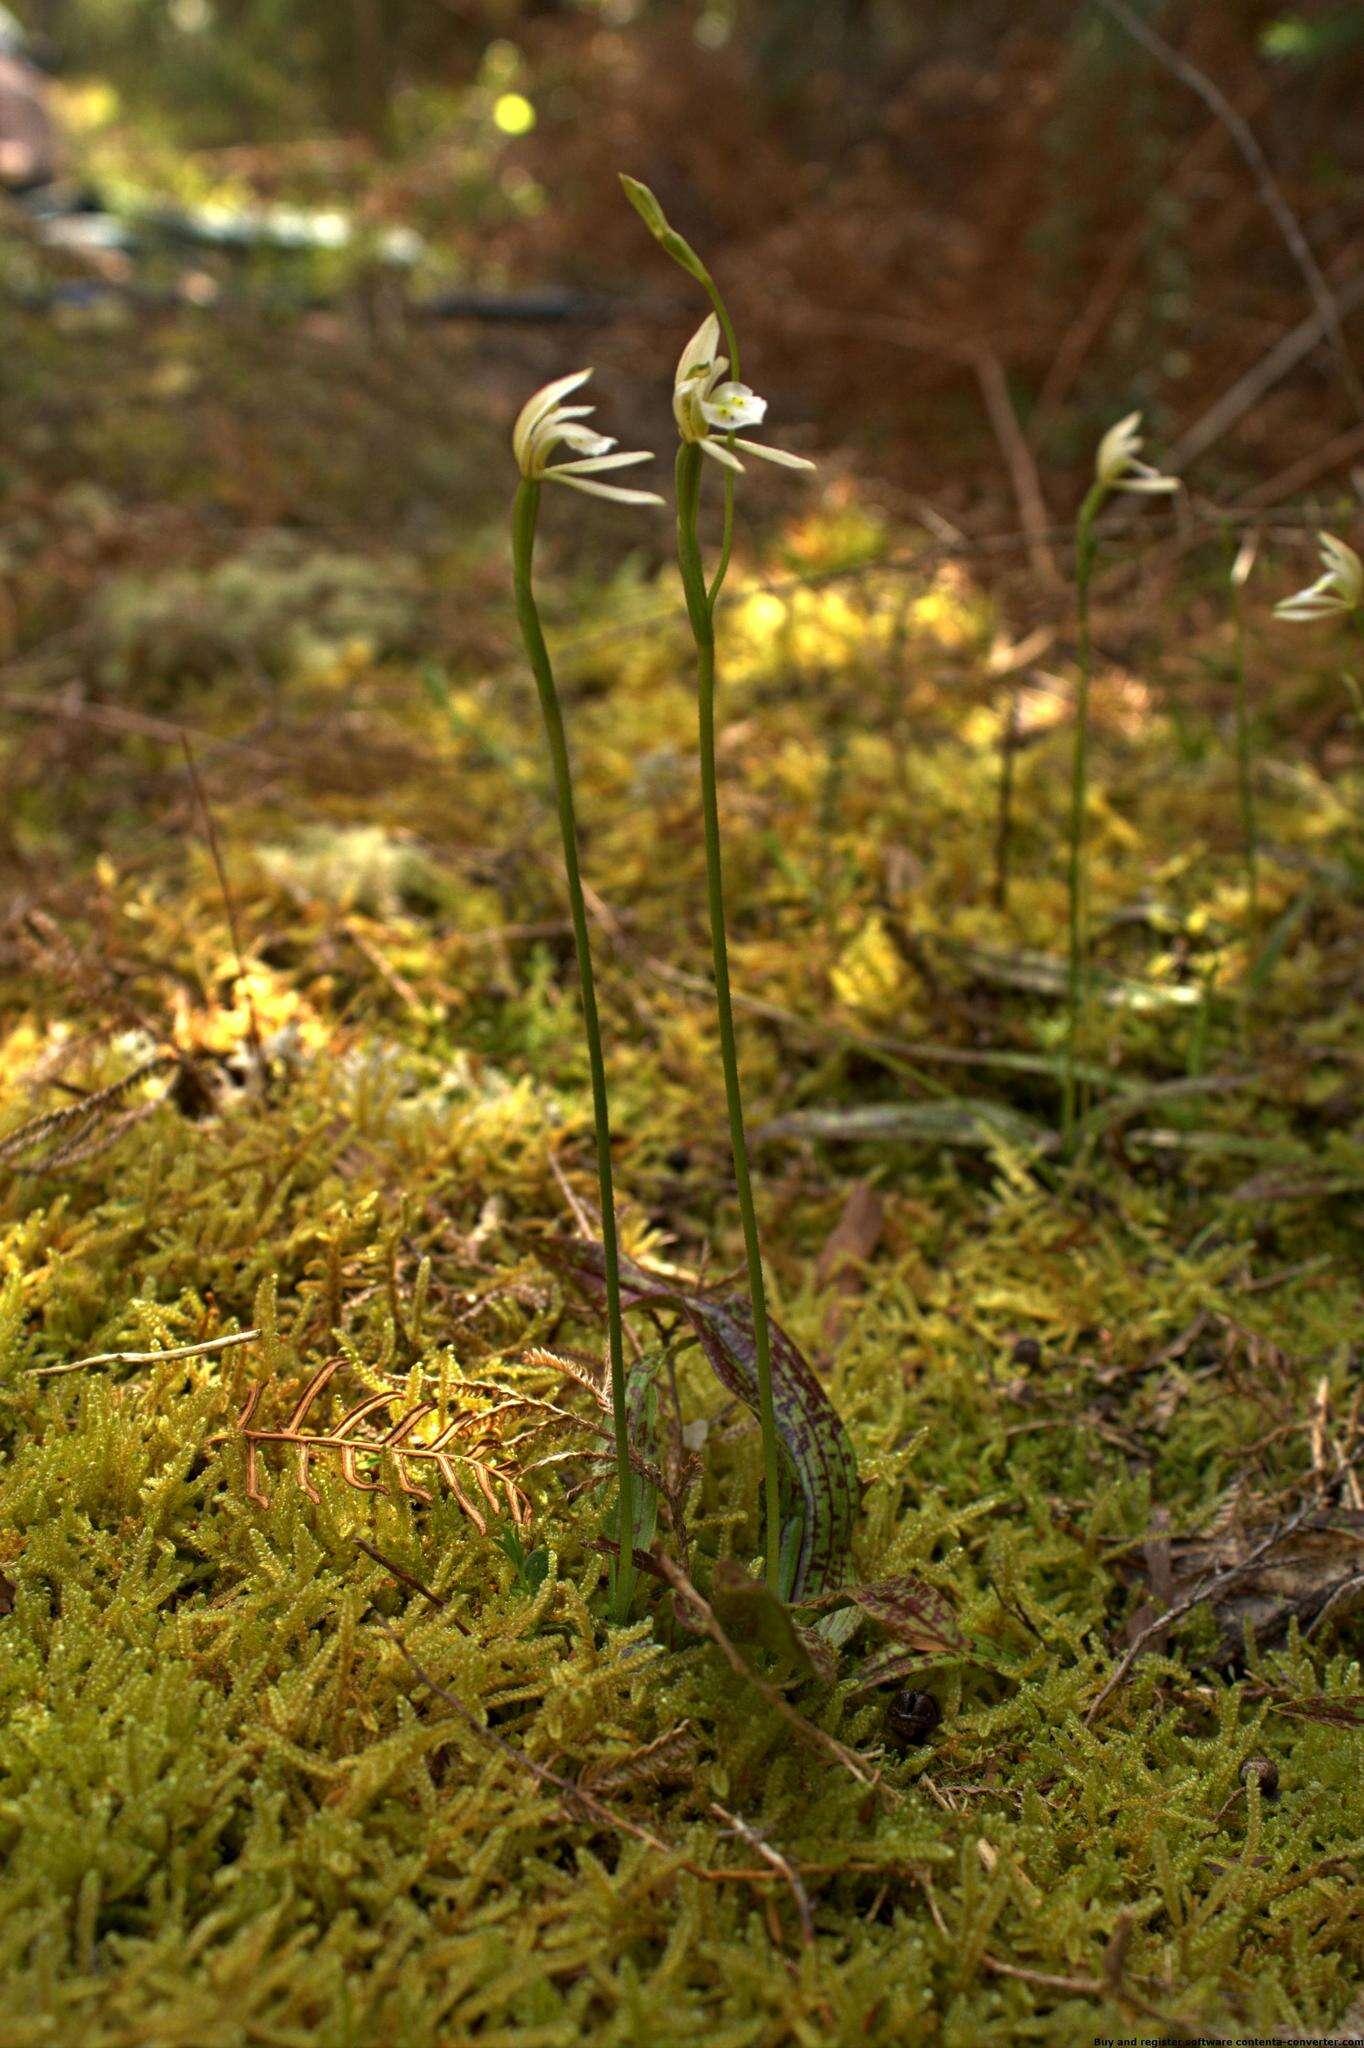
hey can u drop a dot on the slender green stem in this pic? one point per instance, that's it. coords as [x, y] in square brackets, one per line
[523, 549]
[1245, 777]
[1356, 695]
[1086, 547]
[700, 611]
[722, 315]
[692, 263]
[717, 581]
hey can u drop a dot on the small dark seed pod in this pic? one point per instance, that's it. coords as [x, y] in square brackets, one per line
[911, 1718]
[1027, 1352]
[1264, 1772]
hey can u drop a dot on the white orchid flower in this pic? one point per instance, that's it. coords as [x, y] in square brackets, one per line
[1117, 468]
[1336, 593]
[704, 404]
[544, 423]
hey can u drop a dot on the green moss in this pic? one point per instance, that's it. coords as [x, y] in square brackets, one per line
[232, 1812]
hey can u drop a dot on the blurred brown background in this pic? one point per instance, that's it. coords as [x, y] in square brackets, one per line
[960, 238]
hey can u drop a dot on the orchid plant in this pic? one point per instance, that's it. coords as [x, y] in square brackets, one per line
[1338, 593]
[1243, 562]
[545, 424]
[710, 405]
[1117, 467]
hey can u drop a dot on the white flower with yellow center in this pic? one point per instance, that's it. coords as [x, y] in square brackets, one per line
[1117, 468]
[544, 424]
[704, 405]
[1336, 593]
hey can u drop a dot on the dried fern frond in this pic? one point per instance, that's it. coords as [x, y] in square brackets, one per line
[574, 1367]
[68, 1132]
[348, 1442]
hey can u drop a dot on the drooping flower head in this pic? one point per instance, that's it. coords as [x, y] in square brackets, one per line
[1336, 593]
[544, 423]
[1117, 468]
[706, 407]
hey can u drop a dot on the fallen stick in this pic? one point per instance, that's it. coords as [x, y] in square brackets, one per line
[1328, 308]
[40, 1372]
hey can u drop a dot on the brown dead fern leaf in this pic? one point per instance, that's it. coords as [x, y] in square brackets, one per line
[463, 1451]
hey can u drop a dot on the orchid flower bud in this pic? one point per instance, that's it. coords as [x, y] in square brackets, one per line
[1239, 574]
[544, 423]
[656, 221]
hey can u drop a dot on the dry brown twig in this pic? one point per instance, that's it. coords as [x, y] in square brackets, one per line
[1019, 460]
[708, 1623]
[577, 1798]
[409, 1579]
[1249, 388]
[209, 1345]
[71, 1124]
[1328, 309]
[1205, 1590]
[1107, 295]
[784, 1868]
[229, 905]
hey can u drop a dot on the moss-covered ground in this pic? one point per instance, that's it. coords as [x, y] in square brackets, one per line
[291, 1043]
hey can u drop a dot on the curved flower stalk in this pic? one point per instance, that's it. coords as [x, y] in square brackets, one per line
[544, 424]
[1117, 467]
[709, 406]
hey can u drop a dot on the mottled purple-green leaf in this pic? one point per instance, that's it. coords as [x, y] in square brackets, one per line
[916, 1615]
[749, 1612]
[817, 1454]
[641, 1410]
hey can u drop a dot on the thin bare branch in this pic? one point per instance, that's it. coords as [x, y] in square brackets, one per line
[784, 1869]
[1327, 306]
[209, 1345]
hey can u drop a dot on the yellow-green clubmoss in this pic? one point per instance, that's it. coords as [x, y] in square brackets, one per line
[231, 1811]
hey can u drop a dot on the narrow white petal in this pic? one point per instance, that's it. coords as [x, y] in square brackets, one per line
[585, 439]
[1345, 571]
[718, 452]
[589, 463]
[1319, 600]
[546, 435]
[537, 405]
[615, 491]
[773, 454]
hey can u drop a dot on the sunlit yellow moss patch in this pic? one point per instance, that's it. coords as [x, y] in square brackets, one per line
[869, 975]
[255, 999]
